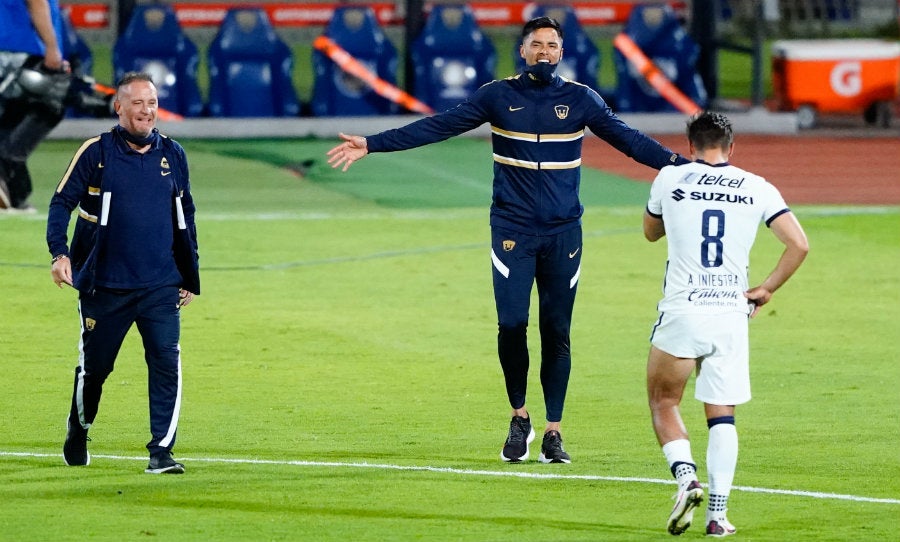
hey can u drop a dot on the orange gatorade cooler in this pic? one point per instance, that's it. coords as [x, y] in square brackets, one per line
[836, 76]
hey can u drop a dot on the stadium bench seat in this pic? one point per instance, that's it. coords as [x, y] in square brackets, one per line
[337, 93]
[659, 34]
[452, 57]
[250, 68]
[153, 42]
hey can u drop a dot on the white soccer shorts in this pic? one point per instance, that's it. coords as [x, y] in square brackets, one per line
[720, 342]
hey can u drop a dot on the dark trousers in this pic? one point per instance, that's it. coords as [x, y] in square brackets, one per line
[553, 263]
[23, 125]
[106, 317]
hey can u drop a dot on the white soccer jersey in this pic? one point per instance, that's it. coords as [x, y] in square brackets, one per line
[711, 215]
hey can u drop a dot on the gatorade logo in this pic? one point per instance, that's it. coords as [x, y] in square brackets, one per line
[846, 79]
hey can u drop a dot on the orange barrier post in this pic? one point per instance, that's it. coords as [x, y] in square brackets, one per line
[163, 114]
[354, 67]
[654, 75]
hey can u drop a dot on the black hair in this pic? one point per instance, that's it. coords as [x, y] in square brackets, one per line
[709, 130]
[541, 22]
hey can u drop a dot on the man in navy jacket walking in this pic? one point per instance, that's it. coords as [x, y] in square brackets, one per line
[133, 260]
[537, 124]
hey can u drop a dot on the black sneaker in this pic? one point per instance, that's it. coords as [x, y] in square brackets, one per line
[162, 463]
[75, 451]
[552, 449]
[520, 436]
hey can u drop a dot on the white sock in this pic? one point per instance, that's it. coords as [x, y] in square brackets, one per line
[721, 462]
[679, 451]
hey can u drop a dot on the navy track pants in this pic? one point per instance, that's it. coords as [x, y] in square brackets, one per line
[553, 263]
[106, 317]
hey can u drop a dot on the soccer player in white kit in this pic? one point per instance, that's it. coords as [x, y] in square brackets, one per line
[710, 211]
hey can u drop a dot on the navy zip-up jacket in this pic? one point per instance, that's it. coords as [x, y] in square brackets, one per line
[112, 185]
[537, 132]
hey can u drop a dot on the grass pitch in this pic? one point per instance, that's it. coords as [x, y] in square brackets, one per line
[341, 379]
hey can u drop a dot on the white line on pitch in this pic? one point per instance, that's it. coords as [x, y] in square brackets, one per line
[469, 472]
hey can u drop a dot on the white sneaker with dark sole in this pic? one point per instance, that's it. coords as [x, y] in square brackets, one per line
[719, 528]
[687, 499]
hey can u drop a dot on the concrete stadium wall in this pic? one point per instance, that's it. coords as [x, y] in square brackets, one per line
[754, 121]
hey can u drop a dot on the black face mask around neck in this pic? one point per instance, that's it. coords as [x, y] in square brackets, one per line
[542, 71]
[137, 140]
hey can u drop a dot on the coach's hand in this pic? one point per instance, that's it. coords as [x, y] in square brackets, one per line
[184, 297]
[353, 148]
[61, 270]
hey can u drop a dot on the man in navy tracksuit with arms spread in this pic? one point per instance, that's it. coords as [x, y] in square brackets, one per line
[537, 123]
[133, 259]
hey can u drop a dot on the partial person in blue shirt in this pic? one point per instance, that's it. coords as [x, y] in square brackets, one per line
[133, 259]
[34, 82]
[538, 122]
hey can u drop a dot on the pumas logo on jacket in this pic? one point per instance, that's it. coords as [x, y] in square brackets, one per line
[165, 165]
[562, 111]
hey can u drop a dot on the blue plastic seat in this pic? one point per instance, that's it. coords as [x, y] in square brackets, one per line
[659, 34]
[337, 93]
[581, 58]
[250, 68]
[154, 43]
[452, 57]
